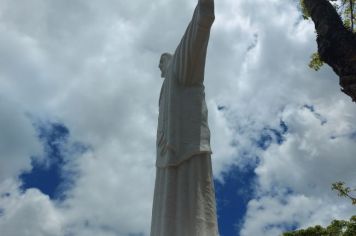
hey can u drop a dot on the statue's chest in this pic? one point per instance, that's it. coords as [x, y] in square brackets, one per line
[163, 106]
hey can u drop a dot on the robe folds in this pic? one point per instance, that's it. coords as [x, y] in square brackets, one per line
[184, 200]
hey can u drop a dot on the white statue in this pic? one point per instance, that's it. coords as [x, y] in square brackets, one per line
[184, 196]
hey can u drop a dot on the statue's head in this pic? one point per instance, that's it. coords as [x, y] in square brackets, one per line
[164, 62]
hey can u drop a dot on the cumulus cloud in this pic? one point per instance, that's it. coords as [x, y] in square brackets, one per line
[294, 178]
[18, 140]
[93, 66]
[29, 213]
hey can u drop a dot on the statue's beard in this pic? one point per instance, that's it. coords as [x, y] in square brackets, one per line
[163, 74]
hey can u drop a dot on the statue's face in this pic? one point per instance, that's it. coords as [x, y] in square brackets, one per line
[163, 63]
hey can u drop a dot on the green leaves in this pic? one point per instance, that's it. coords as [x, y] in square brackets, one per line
[305, 12]
[336, 228]
[315, 63]
[346, 9]
[344, 191]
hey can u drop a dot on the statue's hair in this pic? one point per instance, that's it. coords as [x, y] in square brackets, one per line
[167, 54]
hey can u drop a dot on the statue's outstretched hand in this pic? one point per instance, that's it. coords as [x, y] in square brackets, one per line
[206, 1]
[206, 8]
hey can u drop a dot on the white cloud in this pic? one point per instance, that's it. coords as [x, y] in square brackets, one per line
[30, 213]
[271, 215]
[93, 67]
[18, 140]
[307, 163]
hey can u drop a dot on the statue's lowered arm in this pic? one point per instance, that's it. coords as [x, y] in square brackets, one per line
[189, 58]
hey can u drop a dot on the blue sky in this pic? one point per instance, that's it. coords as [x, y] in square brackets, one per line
[79, 100]
[47, 175]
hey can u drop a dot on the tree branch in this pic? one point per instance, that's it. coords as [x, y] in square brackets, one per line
[351, 14]
[336, 44]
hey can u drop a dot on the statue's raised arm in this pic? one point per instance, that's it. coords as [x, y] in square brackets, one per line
[189, 58]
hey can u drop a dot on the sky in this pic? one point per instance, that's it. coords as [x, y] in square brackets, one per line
[79, 107]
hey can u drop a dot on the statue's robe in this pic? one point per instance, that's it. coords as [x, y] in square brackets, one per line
[184, 197]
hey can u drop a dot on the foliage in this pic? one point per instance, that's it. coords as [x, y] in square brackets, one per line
[346, 9]
[336, 228]
[344, 191]
[305, 12]
[315, 63]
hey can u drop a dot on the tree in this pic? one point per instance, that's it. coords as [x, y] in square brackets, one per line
[345, 9]
[335, 38]
[336, 228]
[344, 191]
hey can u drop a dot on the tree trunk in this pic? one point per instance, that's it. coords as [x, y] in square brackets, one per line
[336, 44]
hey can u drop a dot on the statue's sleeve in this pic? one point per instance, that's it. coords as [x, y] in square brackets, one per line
[189, 58]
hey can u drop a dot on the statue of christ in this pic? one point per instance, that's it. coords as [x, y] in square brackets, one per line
[184, 196]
